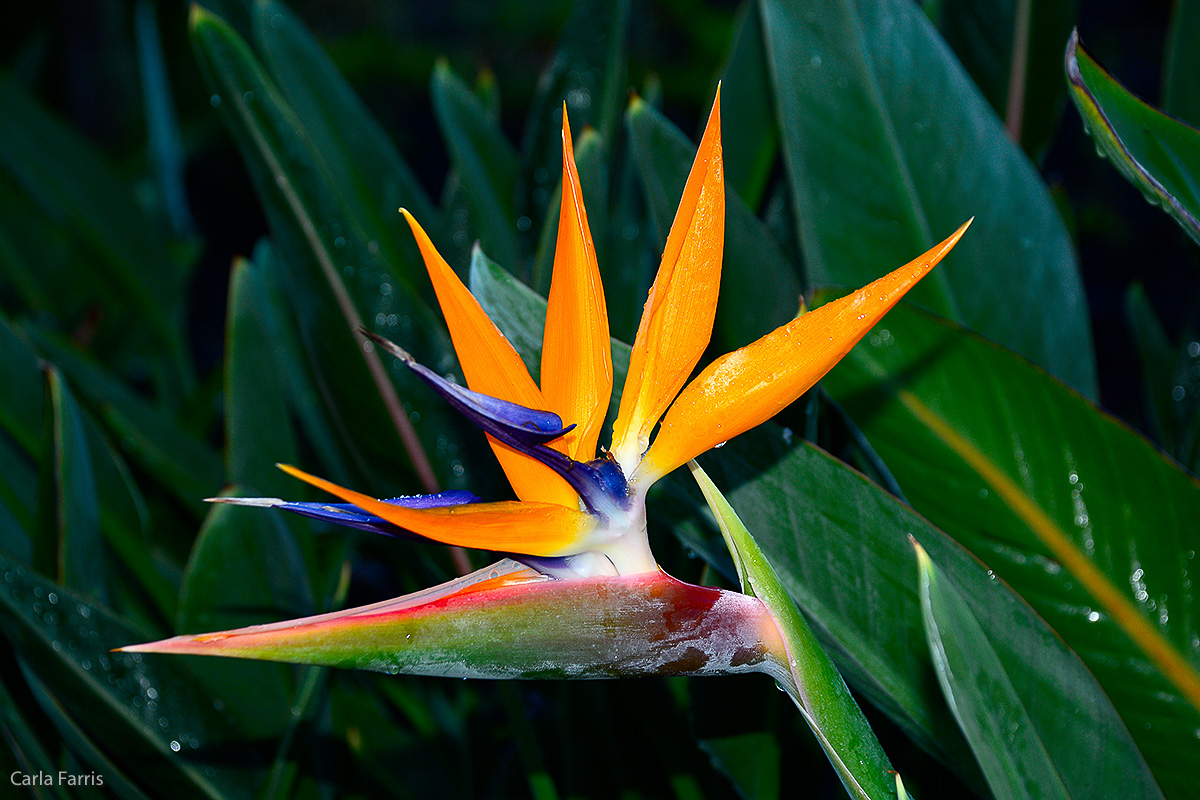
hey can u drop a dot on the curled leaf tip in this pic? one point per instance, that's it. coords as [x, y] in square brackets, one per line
[196, 14]
[923, 560]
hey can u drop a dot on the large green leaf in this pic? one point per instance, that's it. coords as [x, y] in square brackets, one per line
[1180, 95]
[980, 691]
[246, 568]
[1158, 154]
[881, 167]
[150, 437]
[336, 280]
[153, 718]
[67, 190]
[258, 428]
[1080, 514]
[81, 561]
[750, 145]
[485, 161]
[1008, 46]
[840, 546]
[365, 170]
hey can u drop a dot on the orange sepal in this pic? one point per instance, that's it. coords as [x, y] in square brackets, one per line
[577, 372]
[535, 529]
[750, 385]
[492, 367]
[678, 317]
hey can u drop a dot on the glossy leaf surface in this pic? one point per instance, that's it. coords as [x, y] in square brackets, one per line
[144, 713]
[981, 694]
[1099, 483]
[865, 144]
[1158, 154]
[839, 544]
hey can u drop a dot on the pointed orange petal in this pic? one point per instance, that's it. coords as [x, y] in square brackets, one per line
[678, 318]
[493, 367]
[749, 386]
[536, 529]
[577, 373]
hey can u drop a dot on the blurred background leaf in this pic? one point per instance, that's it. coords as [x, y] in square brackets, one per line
[189, 233]
[1005, 46]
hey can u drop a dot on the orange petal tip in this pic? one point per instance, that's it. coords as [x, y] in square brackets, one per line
[749, 386]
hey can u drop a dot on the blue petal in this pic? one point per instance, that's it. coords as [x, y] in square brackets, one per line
[352, 516]
[451, 497]
[600, 483]
[349, 516]
[512, 423]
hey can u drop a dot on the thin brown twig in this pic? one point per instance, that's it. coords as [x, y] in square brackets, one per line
[1014, 109]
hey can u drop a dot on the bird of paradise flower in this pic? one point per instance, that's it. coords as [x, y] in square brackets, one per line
[579, 593]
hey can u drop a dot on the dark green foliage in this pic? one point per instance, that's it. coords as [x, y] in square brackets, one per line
[182, 267]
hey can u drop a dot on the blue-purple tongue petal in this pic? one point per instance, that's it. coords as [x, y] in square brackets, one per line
[600, 483]
[513, 424]
[351, 516]
[451, 497]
